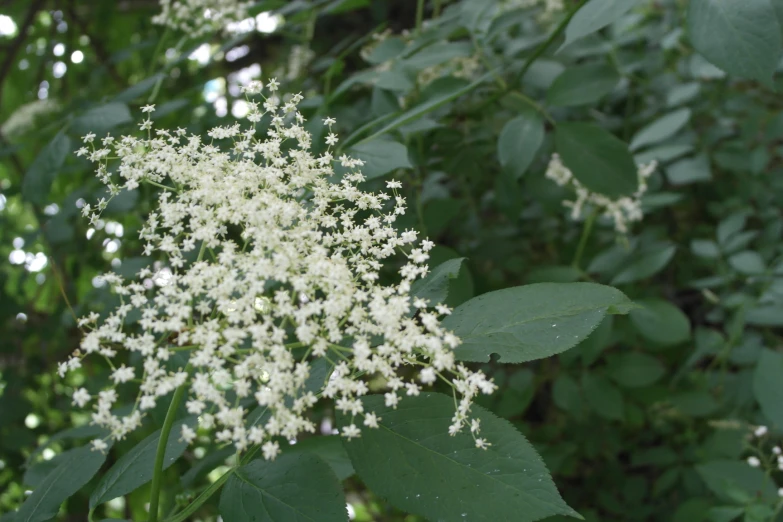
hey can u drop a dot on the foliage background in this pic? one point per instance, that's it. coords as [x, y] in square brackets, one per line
[646, 420]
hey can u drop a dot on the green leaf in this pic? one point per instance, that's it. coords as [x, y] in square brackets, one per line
[733, 480]
[531, 322]
[768, 385]
[594, 16]
[101, 119]
[381, 156]
[635, 370]
[329, 448]
[139, 88]
[661, 322]
[689, 170]
[600, 161]
[603, 396]
[66, 479]
[748, 262]
[413, 462]
[455, 90]
[582, 85]
[647, 263]
[519, 142]
[39, 177]
[662, 128]
[435, 287]
[742, 38]
[135, 468]
[291, 488]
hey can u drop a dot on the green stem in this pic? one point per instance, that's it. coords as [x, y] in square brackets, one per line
[544, 46]
[419, 15]
[535, 105]
[160, 455]
[588, 227]
[184, 515]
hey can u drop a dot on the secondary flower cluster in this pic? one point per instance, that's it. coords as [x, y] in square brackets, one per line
[198, 17]
[272, 266]
[621, 211]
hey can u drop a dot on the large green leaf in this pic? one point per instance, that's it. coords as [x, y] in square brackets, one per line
[742, 38]
[292, 488]
[135, 468]
[519, 142]
[595, 15]
[768, 385]
[599, 160]
[531, 322]
[604, 398]
[381, 156]
[39, 177]
[735, 481]
[582, 85]
[65, 480]
[412, 461]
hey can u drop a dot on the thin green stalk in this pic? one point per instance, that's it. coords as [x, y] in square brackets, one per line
[157, 475]
[588, 227]
[191, 508]
[549, 41]
[419, 15]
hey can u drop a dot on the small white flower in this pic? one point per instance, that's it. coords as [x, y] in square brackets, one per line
[351, 431]
[148, 108]
[188, 434]
[780, 492]
[81, 397]
[482, 444]
[99, 445]
[754, 462]
[270, 450]
[776, 450]
[760, 431]
[329, 121]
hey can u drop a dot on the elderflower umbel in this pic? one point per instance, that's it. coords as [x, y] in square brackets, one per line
[272, 266]
[621, 211]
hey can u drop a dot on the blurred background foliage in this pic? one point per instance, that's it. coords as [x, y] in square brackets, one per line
[647, 420]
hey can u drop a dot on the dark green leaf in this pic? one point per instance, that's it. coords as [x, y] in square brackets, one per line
[768, 385]
[381, 156]
[413, 462]
[519, 142]
[39, 177]
[66, 479]
[291, 488]
[595, 15]
[661, 322]
[531, 322]
[603, 396]
[582, 85]
[134, 469]
[101, 119]
[435, 287]
[329, 448]
[662, 128]
[742, 38]
[600, 161]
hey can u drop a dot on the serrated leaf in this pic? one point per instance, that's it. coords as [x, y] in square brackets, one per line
[135, 468]
[381, 156]
[599, 160]
[39, 177]
[582, 85]
[413, 462]
[291, 488]
[519, 142]
[531, 322]
[65, 480]
[742, 38]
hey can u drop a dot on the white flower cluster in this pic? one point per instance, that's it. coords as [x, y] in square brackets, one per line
[621, 211]
[777, 454]
[273, 263]
[198, 17]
